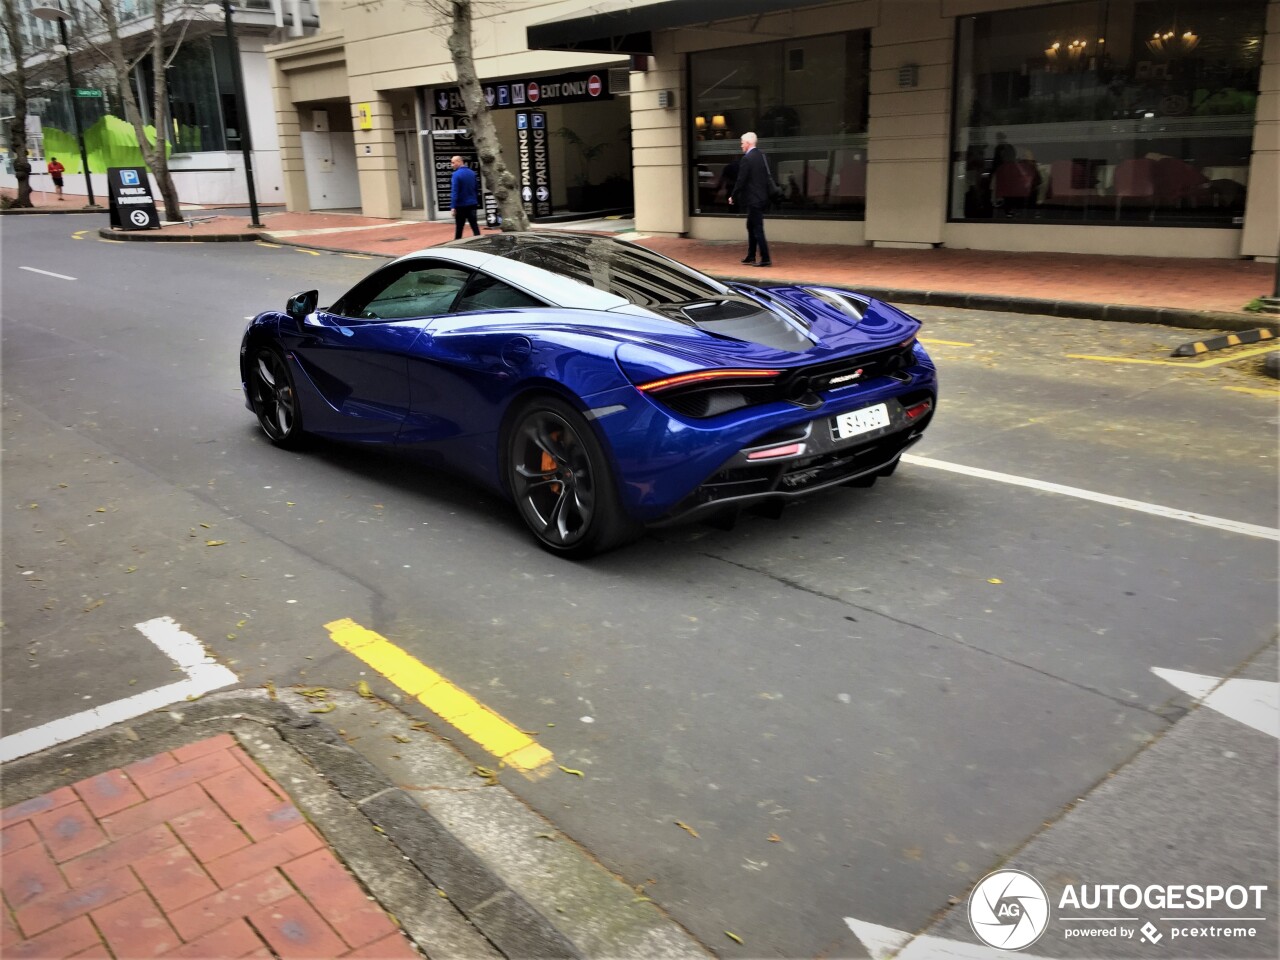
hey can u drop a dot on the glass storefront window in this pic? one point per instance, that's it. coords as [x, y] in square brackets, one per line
[806, 99]
[202, 104]
[1130, 111]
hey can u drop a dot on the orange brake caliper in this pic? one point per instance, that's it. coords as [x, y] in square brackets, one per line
[548, 464]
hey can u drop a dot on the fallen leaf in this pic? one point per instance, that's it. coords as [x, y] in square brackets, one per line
[270, 687]
[231, 636]
[315, 693]
[774, 838]
[641, 900]
[684, 826]
[733, 936]
[94, 605]
[327, 708]
[101, 510]
[575, 773]
[195, 696]
[994, 580]
[130, 569]
[207, 526]
[399, 739]
[362, 688]
[214, 543]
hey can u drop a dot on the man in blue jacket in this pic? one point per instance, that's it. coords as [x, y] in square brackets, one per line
[752, 192]
[463, 198]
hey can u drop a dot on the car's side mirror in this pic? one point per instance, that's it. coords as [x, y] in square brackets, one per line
[301, 304]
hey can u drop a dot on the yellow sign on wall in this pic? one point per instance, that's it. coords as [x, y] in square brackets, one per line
[366, 115]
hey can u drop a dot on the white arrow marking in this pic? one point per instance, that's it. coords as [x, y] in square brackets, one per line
[203, 675]
[1255, 703]
[1155, 509]
[885, 942]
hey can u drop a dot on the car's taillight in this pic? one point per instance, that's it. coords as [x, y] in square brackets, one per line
[699, 377]
[708, 393]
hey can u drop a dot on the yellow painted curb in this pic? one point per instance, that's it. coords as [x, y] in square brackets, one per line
[499, 736]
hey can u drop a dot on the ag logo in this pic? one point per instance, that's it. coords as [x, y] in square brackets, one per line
[140, 218]
[1009, 909]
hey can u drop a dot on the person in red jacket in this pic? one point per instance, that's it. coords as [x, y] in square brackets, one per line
[55, 171]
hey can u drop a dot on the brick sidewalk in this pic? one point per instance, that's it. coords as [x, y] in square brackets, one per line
[192, 853]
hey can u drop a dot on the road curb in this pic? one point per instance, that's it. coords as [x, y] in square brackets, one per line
[56, 211]
[1197, 347]
[146, 236]
[508, 921]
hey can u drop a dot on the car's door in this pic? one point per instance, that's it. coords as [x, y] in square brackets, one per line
[465, 363]
[357, 351]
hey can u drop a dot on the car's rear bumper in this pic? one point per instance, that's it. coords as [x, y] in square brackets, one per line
[823, 462]
[671, 467]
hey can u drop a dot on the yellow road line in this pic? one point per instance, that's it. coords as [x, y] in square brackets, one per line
[1256, 391]
[1178, 363]
[499, 736]
[273, 246]
[946, 343]
[314, 253]
[356, 256]
[79, 234]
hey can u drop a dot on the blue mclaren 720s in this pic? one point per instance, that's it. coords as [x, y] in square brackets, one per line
[600, 386]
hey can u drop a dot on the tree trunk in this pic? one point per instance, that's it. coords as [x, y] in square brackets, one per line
[158, 161]
[500, 181]
[16, 82]
[156, 156]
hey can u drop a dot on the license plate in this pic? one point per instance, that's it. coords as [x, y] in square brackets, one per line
[861, 421]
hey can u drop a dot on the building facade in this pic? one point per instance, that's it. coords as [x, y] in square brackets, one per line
[1146, 127]
[204, 116]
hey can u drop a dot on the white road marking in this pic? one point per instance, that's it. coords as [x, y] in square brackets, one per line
[885, 942]
[203, 675]
[1255, 703]
[1155, 509]
[47, 273]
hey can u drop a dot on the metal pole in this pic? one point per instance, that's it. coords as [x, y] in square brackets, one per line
[71, 92]
[246, 147]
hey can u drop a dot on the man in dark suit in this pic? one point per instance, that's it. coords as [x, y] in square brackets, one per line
[752, 193]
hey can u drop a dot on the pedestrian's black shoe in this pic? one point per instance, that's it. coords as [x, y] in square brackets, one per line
[750, 260]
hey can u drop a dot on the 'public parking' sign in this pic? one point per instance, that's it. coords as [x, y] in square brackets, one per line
[132, 206]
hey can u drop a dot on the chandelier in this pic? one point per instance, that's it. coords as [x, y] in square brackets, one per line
[1171, 44]
[1070, 54]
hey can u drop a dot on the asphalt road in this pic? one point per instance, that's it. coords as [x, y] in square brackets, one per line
[856, 710]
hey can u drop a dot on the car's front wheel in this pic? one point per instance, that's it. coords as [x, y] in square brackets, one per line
[273, 397]
[561, 482]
